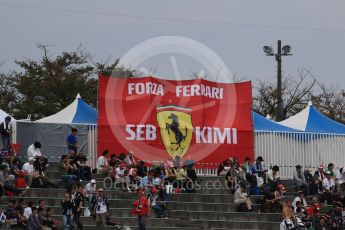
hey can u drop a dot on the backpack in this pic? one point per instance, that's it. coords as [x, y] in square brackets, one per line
[242, 208]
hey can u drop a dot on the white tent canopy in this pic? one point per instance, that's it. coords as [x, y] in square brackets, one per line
[3, 114]
[310, 120]
[78, 112]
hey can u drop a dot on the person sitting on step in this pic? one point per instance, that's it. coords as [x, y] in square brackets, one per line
[242, 200]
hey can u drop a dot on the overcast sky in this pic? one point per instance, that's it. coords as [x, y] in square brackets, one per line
[235, 30]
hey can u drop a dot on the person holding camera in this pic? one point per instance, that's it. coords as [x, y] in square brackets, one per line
[100, 207]
[67, 206]
[242, 199]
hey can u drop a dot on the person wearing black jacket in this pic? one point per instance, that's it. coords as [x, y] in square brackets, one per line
[77, 202]
[100, 208]
[67, 207]
[5, 131]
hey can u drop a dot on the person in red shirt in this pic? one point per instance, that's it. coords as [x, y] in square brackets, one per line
[141, 209]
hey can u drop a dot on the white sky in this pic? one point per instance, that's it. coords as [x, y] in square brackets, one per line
[314, 28]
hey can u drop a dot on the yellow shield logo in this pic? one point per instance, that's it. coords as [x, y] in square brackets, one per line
[176, 129]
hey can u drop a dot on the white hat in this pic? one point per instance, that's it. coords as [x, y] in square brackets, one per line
[93, 181]
[31, 158]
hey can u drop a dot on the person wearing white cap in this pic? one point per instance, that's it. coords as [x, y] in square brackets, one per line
[28, 168]
[90, 190]
[328, 186]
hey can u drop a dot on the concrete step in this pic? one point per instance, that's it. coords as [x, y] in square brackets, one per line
[211, 224]
[190, 197]
[236, 216]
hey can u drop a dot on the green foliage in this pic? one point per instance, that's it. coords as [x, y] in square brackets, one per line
[44, 87]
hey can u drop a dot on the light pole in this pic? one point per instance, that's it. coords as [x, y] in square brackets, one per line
[285, 51]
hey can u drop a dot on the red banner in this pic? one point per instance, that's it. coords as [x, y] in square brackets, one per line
[159, 119]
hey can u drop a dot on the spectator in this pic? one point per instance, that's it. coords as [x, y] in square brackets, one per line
[230, 179]
[146, 182]
[121, 177]
[15, 167]
[328, 186]
[272, 176]
[235, 164]
[157, 203]
[67, 207]
[6, 181]
[224, 167]
[142, 169]
[77, 201]
[100, 208]
[130, 160]
[340, 177]
[260, 174]
[272, 202]
[20, 220]
[50, 222]
[134, 179]
[28, 209]
[287, 211]
[33, 223]
[69, 164]
[122, 157]
[72, 141]
[299, 180]
[84, 169]
[6, 131]
[181, 177]
[169, 174]
[40, 166]
[300, 198]
[10, 212]
[90, 190]
[34, 150]
[193, 178]
[320, 175]
[114, 161]
[177, 162]
[246, 169]
[102, 164]
[70, 170]
[141, 209]
[300, 210]
[314, 186]
[42, 204]
[242, 199]
[330, 168]
[41, 218]
[28, 169]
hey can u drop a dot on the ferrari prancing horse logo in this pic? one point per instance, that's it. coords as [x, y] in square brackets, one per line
[176, 129]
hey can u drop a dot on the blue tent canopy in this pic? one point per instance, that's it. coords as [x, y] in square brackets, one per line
[310, 120]
[263, 124]
[78, 112]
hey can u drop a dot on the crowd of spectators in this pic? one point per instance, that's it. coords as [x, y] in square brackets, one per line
[325, 185]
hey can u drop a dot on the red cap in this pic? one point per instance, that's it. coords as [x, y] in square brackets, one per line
[154, 190]
[281, 187]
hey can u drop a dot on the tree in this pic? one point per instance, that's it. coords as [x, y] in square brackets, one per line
[330, 101]
[7, 92]
[50, 84]
[296, 94]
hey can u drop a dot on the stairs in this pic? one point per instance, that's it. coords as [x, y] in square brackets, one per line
[207, 209]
